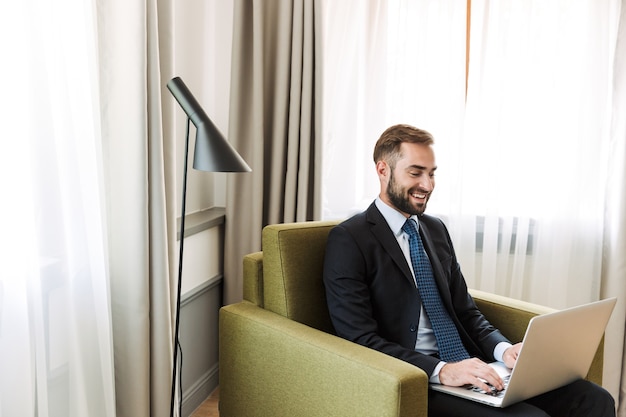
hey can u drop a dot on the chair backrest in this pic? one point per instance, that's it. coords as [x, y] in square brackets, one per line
[293, 261]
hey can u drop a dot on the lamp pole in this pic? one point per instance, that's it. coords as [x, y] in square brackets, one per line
[212, 153]
[180, 271]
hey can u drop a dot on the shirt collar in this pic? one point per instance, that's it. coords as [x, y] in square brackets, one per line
[394, 218]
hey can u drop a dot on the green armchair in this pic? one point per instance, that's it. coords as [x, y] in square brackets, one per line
[279, 355]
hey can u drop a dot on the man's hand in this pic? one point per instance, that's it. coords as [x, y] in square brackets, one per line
[473, 372]
[510, 355]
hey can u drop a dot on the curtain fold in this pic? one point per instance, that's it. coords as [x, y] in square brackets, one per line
[614, 245]
[135, 52]
[274, 124]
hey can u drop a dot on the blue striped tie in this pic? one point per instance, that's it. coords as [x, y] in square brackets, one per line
[451, 347]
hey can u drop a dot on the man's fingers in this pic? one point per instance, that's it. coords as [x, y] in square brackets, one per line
[473, 372]
[484, 385]
[488, 378]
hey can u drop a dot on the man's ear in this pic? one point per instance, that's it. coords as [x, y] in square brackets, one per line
[382, 169]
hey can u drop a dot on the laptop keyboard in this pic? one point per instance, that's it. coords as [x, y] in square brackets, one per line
[497, 394]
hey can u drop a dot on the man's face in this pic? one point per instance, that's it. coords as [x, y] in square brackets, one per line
[409, 185]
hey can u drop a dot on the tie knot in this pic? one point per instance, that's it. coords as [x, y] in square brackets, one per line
[410, 227]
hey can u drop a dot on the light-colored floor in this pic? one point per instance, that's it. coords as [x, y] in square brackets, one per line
[209, 407]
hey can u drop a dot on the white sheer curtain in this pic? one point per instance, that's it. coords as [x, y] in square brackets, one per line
[614, 262]
[55, 324]
[530, 218]
[532, 158]
[522, 178]
[385, 62]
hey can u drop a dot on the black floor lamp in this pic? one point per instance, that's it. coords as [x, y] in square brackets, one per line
[212, 153]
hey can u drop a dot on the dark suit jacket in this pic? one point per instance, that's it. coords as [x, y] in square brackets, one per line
[372, 298]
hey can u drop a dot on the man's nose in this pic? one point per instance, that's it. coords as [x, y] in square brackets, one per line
[427, 183]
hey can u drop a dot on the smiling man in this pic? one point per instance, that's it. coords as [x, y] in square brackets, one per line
[393, 284]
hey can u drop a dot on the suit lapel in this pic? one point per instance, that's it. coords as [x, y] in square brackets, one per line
[380, 229]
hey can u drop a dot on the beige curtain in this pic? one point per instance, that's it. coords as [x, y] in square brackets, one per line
[134, 52]
[274, 124]
[614, 261]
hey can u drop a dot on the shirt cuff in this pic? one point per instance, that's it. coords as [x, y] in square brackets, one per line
[434, 378]
[498, 352]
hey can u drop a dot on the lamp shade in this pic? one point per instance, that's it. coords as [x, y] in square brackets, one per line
[212, 151]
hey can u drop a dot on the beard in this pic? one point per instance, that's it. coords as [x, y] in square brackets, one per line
[400, 198]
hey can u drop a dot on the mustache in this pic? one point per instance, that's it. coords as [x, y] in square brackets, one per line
[419, 190]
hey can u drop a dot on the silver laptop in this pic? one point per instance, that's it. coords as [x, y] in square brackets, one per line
[558, 349]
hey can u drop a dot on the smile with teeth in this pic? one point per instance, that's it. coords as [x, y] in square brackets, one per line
[418, 195]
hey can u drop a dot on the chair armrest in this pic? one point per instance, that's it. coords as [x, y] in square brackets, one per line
[509, 315]
[253, 278]
[512, 316]
[274, 366]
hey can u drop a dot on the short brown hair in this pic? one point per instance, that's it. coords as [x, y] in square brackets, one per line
[388, 145]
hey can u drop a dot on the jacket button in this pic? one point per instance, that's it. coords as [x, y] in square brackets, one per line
[413, 328]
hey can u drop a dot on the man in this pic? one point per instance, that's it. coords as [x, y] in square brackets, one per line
[375, 297]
